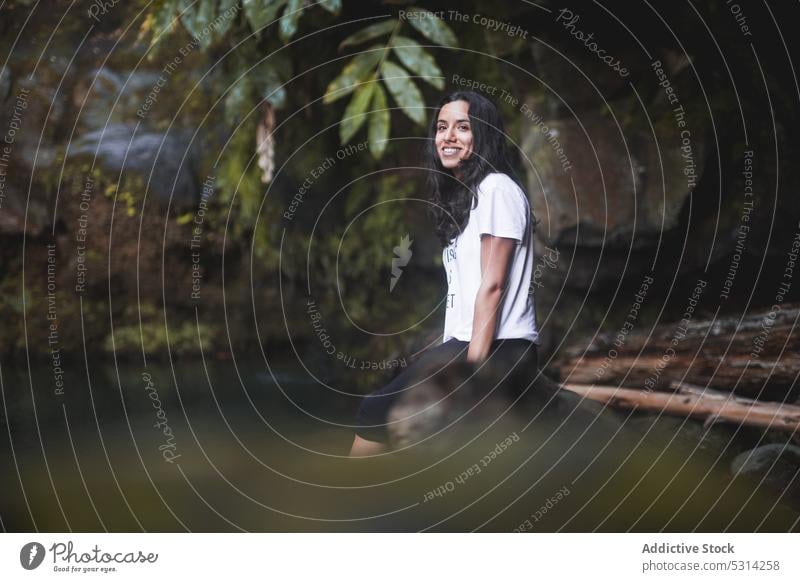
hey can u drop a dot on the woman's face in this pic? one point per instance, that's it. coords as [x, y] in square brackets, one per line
[453, 134]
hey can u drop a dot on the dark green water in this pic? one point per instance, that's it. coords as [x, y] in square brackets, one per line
[249, 451]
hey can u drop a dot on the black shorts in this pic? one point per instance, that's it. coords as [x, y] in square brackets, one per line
[372, 414]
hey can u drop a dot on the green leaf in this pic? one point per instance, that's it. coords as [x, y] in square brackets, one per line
[356, 71]
[291, 16]
[379, 120]
[433, 28]
[332, 6]
[416, 58]
[226, 15]
[185, 218]
[404, 91]
[354, 116]
[163, 22]
[260, 13]
[368, 33]
[196, 17]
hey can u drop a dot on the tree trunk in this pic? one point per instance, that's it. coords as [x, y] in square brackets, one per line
[698, 403]
[755, 355]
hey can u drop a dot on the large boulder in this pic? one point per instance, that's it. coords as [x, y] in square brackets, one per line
[454, 403]
[597, 183]
[610, 174]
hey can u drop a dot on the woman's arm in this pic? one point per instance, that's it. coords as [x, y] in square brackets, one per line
[496, 255]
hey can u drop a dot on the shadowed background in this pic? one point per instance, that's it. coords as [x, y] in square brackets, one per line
[200, 210]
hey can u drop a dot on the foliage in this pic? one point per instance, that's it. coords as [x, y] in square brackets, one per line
[247, 42]
[251, 79]
[180, 338]
[366, 69]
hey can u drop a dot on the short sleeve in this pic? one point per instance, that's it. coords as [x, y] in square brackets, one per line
[502, 209]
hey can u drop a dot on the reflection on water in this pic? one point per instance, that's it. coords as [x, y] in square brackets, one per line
[221, 448]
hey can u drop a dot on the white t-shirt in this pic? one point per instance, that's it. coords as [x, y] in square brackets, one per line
[502, 210]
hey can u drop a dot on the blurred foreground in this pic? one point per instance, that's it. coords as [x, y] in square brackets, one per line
[242, 456]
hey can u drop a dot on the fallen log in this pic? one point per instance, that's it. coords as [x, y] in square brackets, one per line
[756, 355]
[692, 401]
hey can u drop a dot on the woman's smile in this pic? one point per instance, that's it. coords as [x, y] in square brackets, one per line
[454, 134]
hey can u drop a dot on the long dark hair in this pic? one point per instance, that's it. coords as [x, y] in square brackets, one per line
[452, 198]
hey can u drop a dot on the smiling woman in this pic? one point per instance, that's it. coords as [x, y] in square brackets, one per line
[483, 219]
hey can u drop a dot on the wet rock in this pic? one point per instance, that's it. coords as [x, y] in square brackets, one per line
[775, 465]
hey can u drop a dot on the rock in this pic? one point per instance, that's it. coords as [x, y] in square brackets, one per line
[775, 465]
[577, 79]
[607, 175]
[462, 401]
[594, 187]
[143, 152]
[447, 401]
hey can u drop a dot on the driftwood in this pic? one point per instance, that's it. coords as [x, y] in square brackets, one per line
[758, 356]
[694, 401]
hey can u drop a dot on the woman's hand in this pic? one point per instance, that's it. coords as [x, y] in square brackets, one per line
[496, 253]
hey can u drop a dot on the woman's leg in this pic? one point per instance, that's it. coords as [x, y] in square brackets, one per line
[515, 353]
[516, 360]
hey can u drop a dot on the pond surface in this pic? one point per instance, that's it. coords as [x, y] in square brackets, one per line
[221, 447]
